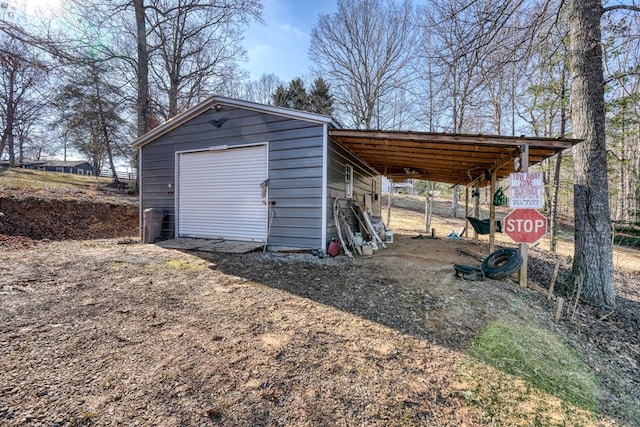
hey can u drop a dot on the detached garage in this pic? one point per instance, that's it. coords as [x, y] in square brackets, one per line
[235, 170]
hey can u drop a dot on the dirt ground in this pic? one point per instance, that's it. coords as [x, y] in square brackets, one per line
[115, 332]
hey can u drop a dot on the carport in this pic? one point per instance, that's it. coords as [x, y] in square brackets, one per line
[473, 161]
[455, 159]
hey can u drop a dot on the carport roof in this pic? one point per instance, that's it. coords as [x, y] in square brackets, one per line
[440, 157]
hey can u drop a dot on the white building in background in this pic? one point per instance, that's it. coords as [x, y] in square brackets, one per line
[399, 187]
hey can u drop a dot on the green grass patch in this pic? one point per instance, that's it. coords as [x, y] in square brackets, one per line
[183, 265]
[540, 358]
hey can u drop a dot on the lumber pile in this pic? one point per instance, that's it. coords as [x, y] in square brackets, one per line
[355, 242]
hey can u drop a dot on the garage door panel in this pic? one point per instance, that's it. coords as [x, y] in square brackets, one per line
[219, 194]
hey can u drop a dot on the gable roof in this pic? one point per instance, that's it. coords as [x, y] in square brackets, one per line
[50, 163]
[214, 101]
[66, 164]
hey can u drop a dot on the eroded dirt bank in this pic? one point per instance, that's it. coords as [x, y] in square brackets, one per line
[66, 219]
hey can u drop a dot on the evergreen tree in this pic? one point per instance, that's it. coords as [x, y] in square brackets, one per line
[320, 99]
[295, 96]
[280, 97]
[298, 98]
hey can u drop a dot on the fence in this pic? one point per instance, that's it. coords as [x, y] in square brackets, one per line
[122, 175]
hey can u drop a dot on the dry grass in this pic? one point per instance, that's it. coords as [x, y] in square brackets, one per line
[100, 333]
[24, 179]
[62, 186]
[411, 221]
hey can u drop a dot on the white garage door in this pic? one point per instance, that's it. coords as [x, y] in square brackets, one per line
[219, 194]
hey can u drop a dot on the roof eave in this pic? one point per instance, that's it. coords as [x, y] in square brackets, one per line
[213, 101]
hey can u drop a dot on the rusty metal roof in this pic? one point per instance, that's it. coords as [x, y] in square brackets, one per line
[448, 158]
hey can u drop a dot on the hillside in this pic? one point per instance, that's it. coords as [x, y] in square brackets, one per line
[57, 206]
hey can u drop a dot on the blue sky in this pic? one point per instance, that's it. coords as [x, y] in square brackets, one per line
[281, 45]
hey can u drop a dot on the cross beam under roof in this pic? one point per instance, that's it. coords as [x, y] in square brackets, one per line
[441, 157]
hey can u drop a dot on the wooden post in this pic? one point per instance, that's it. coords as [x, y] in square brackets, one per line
[389, 201]
[476, 211]
[524, 247]
[466, 211]
[492, 213]
[554, 276]
[579, 280]
[428, 206]
[558, 311]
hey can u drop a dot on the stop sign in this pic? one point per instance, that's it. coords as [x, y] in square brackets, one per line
[525, 225]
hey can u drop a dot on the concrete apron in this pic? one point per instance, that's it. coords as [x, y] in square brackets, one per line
[210, 245]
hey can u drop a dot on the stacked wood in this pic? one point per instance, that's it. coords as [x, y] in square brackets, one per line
[344, 226]
[336, 219]
[367, 222]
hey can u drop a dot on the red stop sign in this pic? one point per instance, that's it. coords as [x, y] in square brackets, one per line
[525, 225]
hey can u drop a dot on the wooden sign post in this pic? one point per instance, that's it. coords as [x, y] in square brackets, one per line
[524, 247]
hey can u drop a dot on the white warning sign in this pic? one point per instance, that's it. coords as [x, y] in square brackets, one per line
[525, 190]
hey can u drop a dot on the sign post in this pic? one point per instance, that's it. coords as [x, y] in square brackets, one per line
[524, 248]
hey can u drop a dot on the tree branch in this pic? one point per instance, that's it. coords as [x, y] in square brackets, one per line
[630, 7]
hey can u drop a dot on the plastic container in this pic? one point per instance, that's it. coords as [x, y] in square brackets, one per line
[388, 238]
[334, 248]
[152, 224]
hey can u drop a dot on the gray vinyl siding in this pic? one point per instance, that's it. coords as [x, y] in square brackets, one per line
[295, 168]
[363, 179]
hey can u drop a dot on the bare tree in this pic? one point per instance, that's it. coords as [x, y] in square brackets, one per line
[260, 90]
[363, 51]
[90, 109]
[20, 73]
[545, 104]
[620, 32]
[142, 69]
[195, 45]
[593, 259]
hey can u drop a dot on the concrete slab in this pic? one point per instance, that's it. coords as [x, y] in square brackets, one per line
[211, 245]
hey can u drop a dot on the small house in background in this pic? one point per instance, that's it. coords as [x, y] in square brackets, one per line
[237, 170]
[78, 167]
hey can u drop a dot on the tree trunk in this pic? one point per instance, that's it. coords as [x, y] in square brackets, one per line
[553, 211]
[103, 126]
[593, 257]
[142, 102]
[7, 133]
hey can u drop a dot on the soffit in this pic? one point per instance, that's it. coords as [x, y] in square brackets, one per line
[448, 158]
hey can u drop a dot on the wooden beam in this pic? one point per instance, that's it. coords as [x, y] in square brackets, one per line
[492, 213]
[451, 138]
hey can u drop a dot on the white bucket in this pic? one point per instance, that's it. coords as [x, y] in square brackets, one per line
[388, 238]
